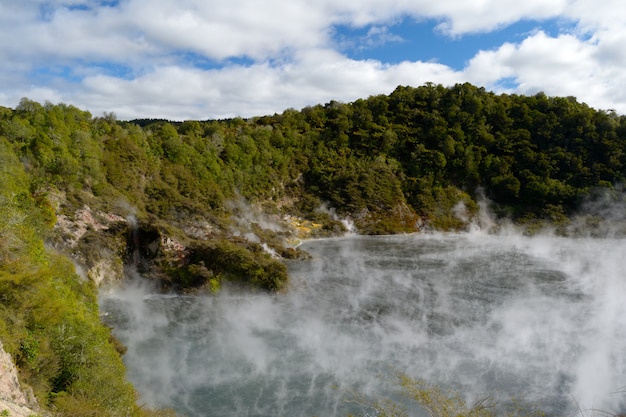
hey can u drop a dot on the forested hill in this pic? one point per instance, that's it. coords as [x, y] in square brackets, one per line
[196, 204]
[429, 146]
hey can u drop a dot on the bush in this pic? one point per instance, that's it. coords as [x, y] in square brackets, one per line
[436, 402]
[241, 262]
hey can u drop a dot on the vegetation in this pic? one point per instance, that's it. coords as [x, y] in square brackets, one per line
[419, 157]
[48, 315]
[438, 403]
[417, 152]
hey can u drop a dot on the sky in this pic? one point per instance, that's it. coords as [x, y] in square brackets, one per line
[211, 59]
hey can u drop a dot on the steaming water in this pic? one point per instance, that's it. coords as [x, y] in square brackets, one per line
[539, 319]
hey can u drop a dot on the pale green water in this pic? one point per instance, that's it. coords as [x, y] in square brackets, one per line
[541, 319]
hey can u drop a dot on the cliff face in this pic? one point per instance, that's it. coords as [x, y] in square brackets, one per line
[185, 255]
[16, 401]
[95, 241]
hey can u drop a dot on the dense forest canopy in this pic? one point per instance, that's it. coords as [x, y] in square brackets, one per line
[422, 146]
[392, 163]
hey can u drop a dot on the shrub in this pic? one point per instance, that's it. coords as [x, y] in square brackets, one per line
[239, 262]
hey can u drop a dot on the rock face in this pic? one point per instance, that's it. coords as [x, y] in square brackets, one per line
[13, 400]
[95, 241]
[84, 219]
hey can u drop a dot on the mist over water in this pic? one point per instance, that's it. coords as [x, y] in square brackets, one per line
[540, 319]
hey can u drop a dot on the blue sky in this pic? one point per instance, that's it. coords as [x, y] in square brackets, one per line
[201, 59]
[421, 41]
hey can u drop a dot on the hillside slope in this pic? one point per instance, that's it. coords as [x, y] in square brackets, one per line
[197, 205]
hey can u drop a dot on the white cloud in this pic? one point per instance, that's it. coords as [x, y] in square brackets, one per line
[291, 50]
[189, 93]
[559, 66]
[225, 28]
[484, 16]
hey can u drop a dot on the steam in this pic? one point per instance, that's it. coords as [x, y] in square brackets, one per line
[602, 366]
[347, 222]
[132, 221]
[602, 214]
[486, 220]
[540, 318]
[245, 214]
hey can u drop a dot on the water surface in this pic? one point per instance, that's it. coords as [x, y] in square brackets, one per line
[539, 319]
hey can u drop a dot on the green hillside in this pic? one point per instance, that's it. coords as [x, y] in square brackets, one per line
[197, 205]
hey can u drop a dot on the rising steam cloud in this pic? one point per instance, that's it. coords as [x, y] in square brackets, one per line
[539, 318]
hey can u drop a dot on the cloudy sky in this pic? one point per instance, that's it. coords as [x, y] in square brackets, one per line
[204, 59]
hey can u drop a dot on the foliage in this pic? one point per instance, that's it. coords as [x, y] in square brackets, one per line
[436, 402]
[49, 318]
[244, 262]
[413, 146]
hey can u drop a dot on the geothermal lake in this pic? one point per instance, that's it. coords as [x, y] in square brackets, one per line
[541, 320]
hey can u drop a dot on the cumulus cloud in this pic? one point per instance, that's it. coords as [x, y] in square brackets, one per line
[225, 28]
[185, 59]
[313, 77]
[483, 16]
[562, 66]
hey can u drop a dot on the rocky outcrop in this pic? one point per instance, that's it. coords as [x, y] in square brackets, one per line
[400, 218]
[152, 251]
[104, 270]
[95, 240]
[14, 401]
[72, 229]
[106, 246]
